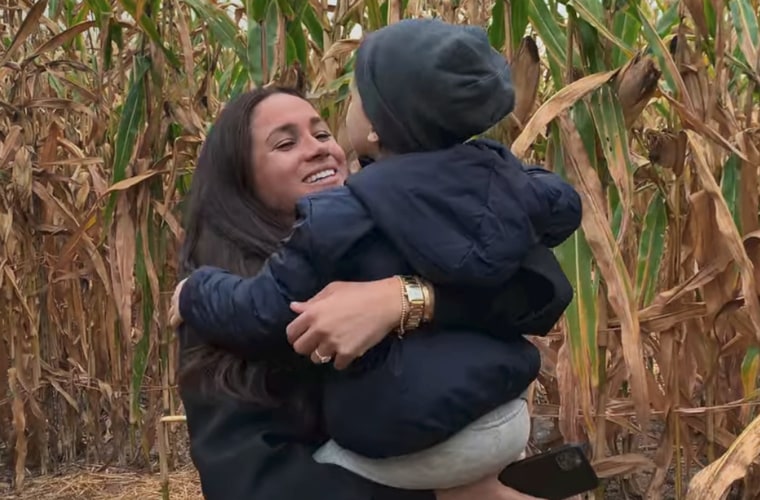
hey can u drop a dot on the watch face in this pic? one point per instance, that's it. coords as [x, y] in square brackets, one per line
[415, 294]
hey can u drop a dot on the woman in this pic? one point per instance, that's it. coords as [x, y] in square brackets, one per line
[264, 416]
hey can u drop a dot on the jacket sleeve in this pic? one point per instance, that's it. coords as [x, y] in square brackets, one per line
[249, 315]
[244, 452]
[564, 203]
[530, 303]
[525, 207]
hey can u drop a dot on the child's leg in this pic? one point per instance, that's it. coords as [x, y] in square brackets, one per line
[482, 448]
[422, 390]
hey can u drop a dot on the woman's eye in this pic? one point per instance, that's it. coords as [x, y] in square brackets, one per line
[285, 145]
[323, 136]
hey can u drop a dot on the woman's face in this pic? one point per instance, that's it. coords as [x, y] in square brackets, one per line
[294, 153]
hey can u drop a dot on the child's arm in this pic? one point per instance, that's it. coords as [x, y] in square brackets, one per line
[248, 316]
[565, 208]
[466, 217]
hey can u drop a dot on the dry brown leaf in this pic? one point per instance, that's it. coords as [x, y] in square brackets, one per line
[28, 26]
[622, 464]
[667, 149]
[122, 260]
[554, 106]
[12, 142]
[703, 227]
[183, 30]
[129, 182]
[61, 104]
[636, 83]
[730, 236]
[62, 38]
[692, 122]
[597, 230]
[341, 48]
[715, 480]
[697, 12]
[526, 74]
[21, 175]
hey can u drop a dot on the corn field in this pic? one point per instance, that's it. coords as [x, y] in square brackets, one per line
[649, 107]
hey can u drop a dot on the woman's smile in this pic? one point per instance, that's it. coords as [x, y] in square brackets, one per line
[320, 176]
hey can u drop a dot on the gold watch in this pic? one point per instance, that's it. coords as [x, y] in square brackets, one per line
[415, 299]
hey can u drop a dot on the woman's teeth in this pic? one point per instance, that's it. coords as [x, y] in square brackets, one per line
[323, 174]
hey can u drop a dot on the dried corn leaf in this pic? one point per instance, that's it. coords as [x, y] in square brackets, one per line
[557, 104]
[597, 230]
[714, 481]
[730, 236]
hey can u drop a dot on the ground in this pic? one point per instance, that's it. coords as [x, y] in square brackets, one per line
[92, 482]
[113, 483]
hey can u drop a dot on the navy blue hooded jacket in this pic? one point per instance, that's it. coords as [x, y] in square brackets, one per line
[467, 216]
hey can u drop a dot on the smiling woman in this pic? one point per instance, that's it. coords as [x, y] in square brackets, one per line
[285, 172]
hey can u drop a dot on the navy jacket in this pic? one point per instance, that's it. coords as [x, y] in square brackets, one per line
[467, 216]
[246, 450]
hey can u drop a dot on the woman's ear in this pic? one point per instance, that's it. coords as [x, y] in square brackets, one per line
[373, 138]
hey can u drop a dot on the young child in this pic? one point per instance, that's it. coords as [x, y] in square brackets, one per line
[432, 203]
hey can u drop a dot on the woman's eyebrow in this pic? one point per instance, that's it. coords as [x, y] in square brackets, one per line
[317, 120]
[287, 128]
[292, 128]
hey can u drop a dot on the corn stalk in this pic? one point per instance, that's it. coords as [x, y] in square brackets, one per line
[649, 108]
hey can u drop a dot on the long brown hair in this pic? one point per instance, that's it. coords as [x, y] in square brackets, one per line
[226, 225]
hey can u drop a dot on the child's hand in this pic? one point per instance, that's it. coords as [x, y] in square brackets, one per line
[345, 320]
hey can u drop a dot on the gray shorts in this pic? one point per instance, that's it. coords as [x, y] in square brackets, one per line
[482, 448]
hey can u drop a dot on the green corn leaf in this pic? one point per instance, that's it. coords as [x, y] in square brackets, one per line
[731, 188]
[519, 21]
[130, 123]
[496, 33]
[651, 250]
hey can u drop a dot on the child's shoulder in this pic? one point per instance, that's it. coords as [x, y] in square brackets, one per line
[334, 199]
[334, 221]
[332, 207]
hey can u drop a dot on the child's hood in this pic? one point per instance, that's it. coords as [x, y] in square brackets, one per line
[468, 214]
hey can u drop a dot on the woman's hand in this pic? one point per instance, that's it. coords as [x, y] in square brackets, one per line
[175, 318]
[487, 489]
[345, 320]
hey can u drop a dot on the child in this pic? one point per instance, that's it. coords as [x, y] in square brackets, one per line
[456, 212]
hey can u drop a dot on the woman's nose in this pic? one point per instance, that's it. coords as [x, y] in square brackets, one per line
[316, 147]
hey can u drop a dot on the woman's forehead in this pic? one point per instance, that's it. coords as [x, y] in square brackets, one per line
[281, 110]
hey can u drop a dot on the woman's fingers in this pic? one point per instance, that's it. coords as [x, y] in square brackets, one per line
[300, 325]
[307, 342]
[175, 319]
[321, 355]
[339, 318]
